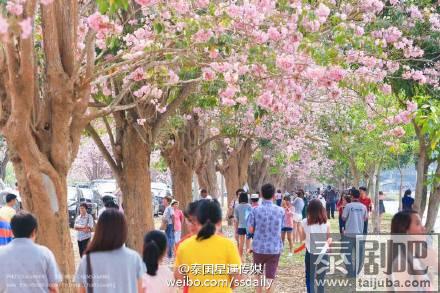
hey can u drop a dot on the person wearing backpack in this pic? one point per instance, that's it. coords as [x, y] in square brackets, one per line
[84, 226]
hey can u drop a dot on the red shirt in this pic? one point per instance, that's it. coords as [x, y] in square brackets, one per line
[366, 201]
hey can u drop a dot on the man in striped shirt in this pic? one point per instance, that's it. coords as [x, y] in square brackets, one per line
[5, 232]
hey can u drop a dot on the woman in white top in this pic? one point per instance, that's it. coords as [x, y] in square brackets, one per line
[158, 274]
[407, 226]
[315, 230]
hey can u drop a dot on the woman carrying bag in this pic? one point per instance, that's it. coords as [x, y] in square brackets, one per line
[108, 265]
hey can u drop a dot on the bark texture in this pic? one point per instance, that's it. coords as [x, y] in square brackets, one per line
[421, 168]
[131, 145]
[206, 169]
[434, 201]
[43, 109]
[235, 167]
[182, 155]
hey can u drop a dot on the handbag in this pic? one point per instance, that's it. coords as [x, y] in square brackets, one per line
[89, 275]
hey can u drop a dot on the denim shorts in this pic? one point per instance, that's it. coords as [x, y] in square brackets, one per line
[241, 231]
[286, 229]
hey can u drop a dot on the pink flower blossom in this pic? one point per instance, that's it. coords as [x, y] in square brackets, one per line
[202, 36]
[202, 3]
[208, 74]
[228, 102]
[213, 53]
[397, 132]
[411, 106]
[286, 63]
[336, 74]
[274, 34]
[26, 28]
[242, 100]
[14, 8]
[138, 74]
[415, 12]
[260, 37]
[220, 67]
[370, 99]
[392, 35]
[99, 23]
[394, 2]
[386, 89]
[322, 12]
[3, 25]
[265, 100]
[181, 6]
[146, 2]
[174, 78]
[229, 92]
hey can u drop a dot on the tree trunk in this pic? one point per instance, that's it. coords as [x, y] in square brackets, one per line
[434, 201]
[376, 184]
[425, 188]
[401, 183]
[135, 186]
[206, 171]
[235, 168]
[422, 161]
[47, 200]
[354, 173]
[207, 178]
[257, 173]
[182, 184]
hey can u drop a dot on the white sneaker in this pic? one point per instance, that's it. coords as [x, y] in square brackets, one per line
[290, 254]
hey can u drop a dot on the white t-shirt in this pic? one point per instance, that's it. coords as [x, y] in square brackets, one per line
[316, 235]
[159, 282]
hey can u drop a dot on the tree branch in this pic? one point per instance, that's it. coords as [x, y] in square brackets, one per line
[207, 141]
[102, 148]
[186, 91]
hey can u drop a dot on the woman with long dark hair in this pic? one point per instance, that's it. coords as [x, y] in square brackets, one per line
[207, 249]
[158, 274]
[419, 264]
[109, 266]
[315, 230]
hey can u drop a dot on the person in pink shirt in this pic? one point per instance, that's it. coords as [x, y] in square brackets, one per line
[288, 222]
[178, 220]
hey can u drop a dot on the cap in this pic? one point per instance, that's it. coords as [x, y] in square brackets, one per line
[255, 196]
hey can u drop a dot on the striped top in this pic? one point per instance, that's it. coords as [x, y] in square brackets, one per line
[5, 232]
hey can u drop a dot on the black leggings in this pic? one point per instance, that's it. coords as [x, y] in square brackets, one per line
[82, 245]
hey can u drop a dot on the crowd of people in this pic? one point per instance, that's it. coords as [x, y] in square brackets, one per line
[262, 223]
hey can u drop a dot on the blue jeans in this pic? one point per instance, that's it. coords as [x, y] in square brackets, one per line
[330, 207]
[170, 239]
[355, 261]
[341, 224]
[366, 227]
[312, 276]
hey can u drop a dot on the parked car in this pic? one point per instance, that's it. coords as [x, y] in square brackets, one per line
[76, 196]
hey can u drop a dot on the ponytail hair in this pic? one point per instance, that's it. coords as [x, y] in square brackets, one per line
[155, 245]
[209, 214]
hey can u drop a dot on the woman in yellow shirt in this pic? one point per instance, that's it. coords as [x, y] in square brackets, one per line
[208, 262]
